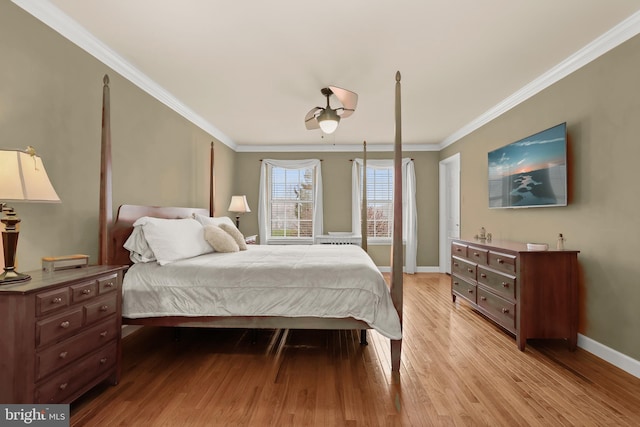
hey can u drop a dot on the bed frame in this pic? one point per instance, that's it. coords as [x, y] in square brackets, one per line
[112, 236]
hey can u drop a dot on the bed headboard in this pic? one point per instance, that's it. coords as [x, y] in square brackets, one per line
[123, 225]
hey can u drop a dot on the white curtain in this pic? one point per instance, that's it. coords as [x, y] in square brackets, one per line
[409, 210]
[263, 200]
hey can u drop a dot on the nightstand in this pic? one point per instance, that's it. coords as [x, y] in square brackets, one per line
[60, 334]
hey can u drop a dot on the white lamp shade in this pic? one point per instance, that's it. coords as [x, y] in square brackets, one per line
[239, 204]
[328, 121]
[24, 179]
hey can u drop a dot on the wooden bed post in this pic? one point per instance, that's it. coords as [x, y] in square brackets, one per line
[212, 182]
[106, 207]
[396, 248]
[363, 211]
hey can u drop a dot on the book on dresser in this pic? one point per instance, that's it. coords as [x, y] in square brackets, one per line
[60, 334]
[532, 294]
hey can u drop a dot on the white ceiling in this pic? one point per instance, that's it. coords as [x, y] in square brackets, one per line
[248, 71]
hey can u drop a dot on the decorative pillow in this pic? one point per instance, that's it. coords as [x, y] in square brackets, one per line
[139, 250]
[220, 239]
[208, 220]
[236, 234]
[173, 239]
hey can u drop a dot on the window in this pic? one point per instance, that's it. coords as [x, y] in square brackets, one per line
[379, 201]
[291, 202]
[380, 205]
[290, 205]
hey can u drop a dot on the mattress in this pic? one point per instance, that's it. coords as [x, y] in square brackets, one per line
[325, 281]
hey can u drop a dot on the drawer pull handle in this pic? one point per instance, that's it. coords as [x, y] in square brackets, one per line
[483, 298]
[476, 254]
[63, 386]
[103, 360]
[456, 283]
[63, 355]
[500, 261]
[65, 324]
[505, 285]
[470, 291]
[108, 285]
[470, 270]
[458, 250]
[484, 276]
[86, 291]
[103, 334]
[104, 308]
[505, 310]
[56, 300]
[455, 264]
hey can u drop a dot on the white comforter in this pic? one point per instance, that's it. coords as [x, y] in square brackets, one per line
[334, 281]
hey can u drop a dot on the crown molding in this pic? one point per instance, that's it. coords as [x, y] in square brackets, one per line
[334, 148]
[619, 34]
[53, 17]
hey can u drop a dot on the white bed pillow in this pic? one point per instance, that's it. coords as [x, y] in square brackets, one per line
[220, 239]
[208, 220]
[173, 239]
[233, 231]
[139, 250]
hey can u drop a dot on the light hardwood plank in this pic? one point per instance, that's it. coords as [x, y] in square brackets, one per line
[457, 368]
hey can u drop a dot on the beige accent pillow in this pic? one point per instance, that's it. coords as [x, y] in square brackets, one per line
[236, 234]
[219, 239]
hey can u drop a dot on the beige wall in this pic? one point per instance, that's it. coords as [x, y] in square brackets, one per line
[601, 105]
[51, 98]
[336, 177]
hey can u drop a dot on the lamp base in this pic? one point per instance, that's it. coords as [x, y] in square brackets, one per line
[10, 277]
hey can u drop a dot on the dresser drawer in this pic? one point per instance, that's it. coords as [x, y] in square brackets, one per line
[459, 250]
[478, 255]
[463, 268]
[68, 351]
[500, 283]
[100, 309]
[499, 309]
[47, 302]
[84, 291]
[107, 284]
[52, 328]
[502, 262]
[59, 388]
[463, 288]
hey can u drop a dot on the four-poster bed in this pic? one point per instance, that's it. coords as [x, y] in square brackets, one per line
[113, 237]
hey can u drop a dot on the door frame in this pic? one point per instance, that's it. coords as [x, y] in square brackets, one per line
[452, 162]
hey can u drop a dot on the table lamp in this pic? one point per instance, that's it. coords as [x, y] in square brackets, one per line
[22, 179]
[239, 206]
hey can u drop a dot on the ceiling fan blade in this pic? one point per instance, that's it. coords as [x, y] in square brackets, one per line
[310, 119]
[348, 99]
[344, 113]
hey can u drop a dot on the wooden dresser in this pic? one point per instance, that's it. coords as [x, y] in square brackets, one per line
[60, 334]
[531, 294]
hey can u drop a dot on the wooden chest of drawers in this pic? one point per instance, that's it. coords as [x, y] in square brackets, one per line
[60, 334]
[531, 294]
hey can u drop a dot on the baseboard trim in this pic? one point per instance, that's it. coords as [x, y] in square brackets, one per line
[610, 355]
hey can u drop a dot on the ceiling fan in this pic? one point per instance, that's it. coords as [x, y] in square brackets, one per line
[327, 118]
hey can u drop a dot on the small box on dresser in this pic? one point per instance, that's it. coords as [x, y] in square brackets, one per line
[60, 334]
[531, 294]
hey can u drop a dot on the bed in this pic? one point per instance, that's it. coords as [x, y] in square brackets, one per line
[183, 292]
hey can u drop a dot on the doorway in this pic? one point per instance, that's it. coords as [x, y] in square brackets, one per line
[449, 208]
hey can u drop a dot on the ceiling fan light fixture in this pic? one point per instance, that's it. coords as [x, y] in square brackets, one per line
[328, 120]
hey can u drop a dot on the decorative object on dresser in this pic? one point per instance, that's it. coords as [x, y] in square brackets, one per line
[529, 293]
[238, 206]
[60, 334]
[22, 179]
[55, 263]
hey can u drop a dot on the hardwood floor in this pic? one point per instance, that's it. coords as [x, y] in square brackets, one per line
[457, 369]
